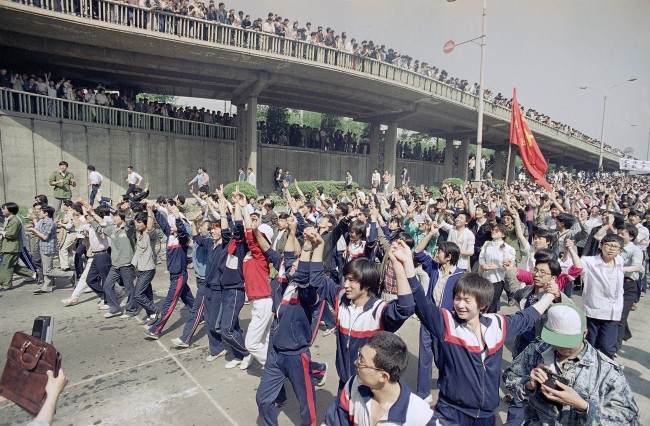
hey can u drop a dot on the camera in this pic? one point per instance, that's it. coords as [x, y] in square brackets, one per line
[553, 378]
[43, 328]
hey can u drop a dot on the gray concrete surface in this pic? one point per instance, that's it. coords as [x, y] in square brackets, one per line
[118, 378]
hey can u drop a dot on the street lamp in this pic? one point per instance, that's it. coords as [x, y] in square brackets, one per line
[602, 124]
[449, 46]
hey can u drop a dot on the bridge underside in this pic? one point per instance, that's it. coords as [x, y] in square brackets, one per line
[166, 64]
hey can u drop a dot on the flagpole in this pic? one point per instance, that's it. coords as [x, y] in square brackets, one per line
[508, 163]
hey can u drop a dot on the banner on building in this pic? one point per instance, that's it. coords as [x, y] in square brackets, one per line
[634, 165]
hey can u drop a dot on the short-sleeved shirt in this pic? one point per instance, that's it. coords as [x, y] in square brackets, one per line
[47, 227]
[133, 178]
[95, 178]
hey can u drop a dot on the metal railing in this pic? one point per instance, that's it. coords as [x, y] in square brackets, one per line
[30, 103]
[213, 32]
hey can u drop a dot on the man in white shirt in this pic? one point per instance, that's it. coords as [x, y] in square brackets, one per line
[95, 180]
[251, 178]
[132, 179]
[463, 237]
[602, 277]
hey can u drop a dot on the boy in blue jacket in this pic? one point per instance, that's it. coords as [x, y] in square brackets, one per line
[177, 231]
[360, 313]
[469, 344]
[443, 276]
[292, 333]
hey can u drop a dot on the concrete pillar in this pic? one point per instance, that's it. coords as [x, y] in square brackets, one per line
[448, 162]
[463, 159]
[251, 135]
[241, 157]
[390, 151]
[376, 148]
[499, 169]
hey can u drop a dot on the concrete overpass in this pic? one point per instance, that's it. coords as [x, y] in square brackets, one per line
[160, 53]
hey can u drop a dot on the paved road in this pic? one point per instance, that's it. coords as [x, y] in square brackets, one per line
[118, 378]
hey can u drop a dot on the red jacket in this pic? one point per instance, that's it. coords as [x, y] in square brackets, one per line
[256, 270]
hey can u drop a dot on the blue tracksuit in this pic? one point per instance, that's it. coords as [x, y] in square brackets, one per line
[425, 351]
[177, 245]
[354, 328]
[232, 291]
[199, 255]
[469, 377]
[292, 333]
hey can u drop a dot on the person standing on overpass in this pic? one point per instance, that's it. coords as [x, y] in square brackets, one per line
[133, 179]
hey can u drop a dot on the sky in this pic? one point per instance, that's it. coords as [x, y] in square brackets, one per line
[547, 49]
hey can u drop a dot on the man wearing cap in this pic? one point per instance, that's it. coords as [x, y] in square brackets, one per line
[589, 388]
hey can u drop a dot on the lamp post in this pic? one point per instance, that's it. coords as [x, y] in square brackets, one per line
[449, 46]
[602, 123]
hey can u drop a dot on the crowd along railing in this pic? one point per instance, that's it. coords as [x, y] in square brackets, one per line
[31, 103]
[164, 21]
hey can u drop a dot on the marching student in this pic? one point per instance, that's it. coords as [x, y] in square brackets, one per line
[443, 276]
[45, 230]
[257, 286]
[99, 247]
[200, 229]
[144, 263]
[359, 310]
[292, 333]
[469, 343]
[11, 246]
[177, 232]
[376, 393]
[603, 279]
[133, 180]
[232, 286]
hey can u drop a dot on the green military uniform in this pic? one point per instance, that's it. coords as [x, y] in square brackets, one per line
[10, 248]
[63, 185]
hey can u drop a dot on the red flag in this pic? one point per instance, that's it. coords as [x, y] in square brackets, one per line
[529, 152]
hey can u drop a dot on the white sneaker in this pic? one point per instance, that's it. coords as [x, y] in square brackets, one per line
[232, 363]
[211, 358]
[246, 362]
[179, 344]
[103, 307]
[110, 314]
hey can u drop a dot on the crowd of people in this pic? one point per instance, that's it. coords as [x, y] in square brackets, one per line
[326, 36]
[311, 137]
[362, 262]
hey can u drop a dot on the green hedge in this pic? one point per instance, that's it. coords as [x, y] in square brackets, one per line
[457, 182]
[330, 187]
[244, 187]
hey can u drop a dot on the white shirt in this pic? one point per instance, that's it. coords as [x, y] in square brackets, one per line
[496, 252]
[632, 256]
[642, 238]
[133, 178]
[95, 178]
[464, 240]
[603, 288]
[252, 179]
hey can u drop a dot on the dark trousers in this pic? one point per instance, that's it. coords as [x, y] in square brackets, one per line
[603, 335]
[79, 259]
[131, 189]
[496, 299]
[196, 314]
[450, 416]
[98, 272]
[125, 274]
[212, 317]
[93, 194]
[295, 368]
[630, 289]
[143, 293]
[232, 301]
[425, 364]
[178, 288]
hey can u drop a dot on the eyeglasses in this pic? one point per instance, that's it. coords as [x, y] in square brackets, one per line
[612, 246]
[359, 365]
[541, 272]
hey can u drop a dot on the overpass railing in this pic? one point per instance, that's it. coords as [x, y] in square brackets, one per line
[161, 21]
[30, 103]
